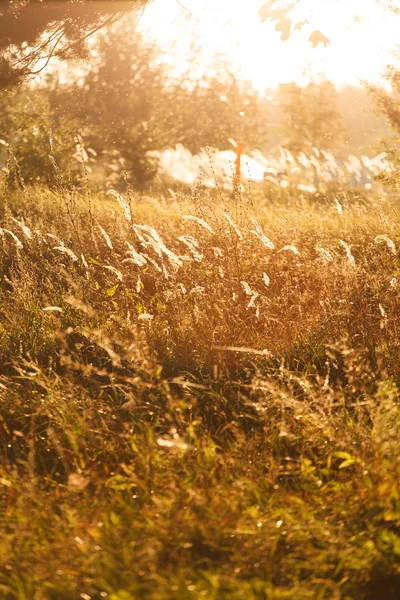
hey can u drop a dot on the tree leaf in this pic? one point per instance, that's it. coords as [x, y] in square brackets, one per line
[317, 37]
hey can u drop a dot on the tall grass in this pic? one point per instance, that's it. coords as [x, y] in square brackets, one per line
[317, 171]
[199, 398]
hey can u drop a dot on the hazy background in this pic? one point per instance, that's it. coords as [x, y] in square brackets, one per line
[163, 84]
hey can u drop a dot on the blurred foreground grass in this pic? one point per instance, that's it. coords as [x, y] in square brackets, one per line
[199, 397]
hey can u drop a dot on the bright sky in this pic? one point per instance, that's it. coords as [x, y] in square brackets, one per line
[362, 37]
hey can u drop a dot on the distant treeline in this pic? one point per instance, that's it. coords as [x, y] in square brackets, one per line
[113, 113]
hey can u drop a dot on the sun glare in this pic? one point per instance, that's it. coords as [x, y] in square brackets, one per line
[362, 36]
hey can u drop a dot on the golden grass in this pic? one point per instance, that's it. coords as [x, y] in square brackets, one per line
[199, 398]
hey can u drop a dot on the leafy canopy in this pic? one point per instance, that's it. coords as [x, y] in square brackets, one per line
[34, 31]
[281, 13]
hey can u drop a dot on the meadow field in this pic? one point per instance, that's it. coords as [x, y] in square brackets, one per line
[199, 394]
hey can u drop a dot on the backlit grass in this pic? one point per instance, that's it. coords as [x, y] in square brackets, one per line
[199, 397]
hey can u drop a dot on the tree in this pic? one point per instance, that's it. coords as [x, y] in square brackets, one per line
[128, 104]
[113, 108]
[37, 135]
[216, 108]
[311, 116]
[388, 104]
[32, 32]
[124, 105]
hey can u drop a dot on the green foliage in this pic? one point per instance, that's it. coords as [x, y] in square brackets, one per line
[41, 138]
